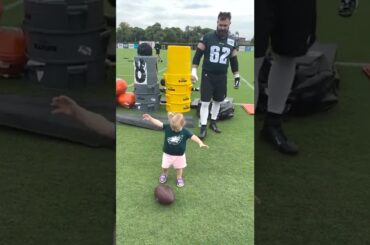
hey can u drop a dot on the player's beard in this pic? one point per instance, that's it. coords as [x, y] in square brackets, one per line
[222, 33]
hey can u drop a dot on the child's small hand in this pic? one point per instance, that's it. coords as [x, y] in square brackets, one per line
[147, 117]
[65, 105]
[202, 145]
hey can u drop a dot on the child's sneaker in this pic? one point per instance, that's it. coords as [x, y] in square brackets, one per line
[162, 178]
[180, 182]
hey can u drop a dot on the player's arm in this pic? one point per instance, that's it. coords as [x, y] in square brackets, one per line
[198, 141]
[196, 60]
[154, 121]
[234, 64]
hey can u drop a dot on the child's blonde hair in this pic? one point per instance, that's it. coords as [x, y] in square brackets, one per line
[176, 120]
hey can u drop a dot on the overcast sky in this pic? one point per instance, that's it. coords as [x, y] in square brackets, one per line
[180, 13]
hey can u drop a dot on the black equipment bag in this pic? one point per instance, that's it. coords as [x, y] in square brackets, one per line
[226, 109]
[315, 84]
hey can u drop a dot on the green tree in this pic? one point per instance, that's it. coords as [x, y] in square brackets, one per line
[152, 32]
[191, 34]
[178, 34]
[138, 34]
[170, 35]
[123, 32]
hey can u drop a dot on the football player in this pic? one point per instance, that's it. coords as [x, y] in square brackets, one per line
[219, 49]
[157, 48]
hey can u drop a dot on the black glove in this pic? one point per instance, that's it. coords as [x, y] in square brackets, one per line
[236, 82]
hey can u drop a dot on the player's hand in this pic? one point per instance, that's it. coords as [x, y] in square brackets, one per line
[194, 78]
[64, 105]
[236, 81]
[202, 145]
[194, 75]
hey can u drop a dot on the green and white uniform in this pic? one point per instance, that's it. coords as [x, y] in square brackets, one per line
[175, 142]
[218, 52]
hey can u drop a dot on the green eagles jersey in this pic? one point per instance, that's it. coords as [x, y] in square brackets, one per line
[218, 52]
[175, 142]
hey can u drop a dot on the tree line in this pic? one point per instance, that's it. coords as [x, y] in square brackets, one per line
[127, 34]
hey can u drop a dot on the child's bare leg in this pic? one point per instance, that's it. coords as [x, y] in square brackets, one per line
[179, 173]
[179, 179]
[165, 171]
[163, 177]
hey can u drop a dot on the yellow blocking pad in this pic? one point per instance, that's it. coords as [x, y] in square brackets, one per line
[178, 98]
[177, 79]
[178, 89]
[178, 60]
[180, 107]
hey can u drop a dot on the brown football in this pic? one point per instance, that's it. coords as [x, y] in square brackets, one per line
[164, 194]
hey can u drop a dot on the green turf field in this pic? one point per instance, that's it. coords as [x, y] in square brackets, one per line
[13, 13]
[53, 191]
[321, 195]
[216, 205]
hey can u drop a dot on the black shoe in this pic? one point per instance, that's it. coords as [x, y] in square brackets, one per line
[275, 135]
[214, 127]
[203, 132]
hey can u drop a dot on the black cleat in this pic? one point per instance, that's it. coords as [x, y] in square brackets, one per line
[214, 127]
[275, 135]
[203, 132]
[272, 132]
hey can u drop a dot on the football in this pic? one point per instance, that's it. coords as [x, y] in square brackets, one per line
[127, 100]
[121, 86]
[164, 194]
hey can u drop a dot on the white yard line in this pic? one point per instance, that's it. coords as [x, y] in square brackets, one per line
[12, 5]
[353, 64]
[248, 83]
[243, 80]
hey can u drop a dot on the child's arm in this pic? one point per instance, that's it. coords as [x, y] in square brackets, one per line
[156, 122]
[94, 121]
[198, 141]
